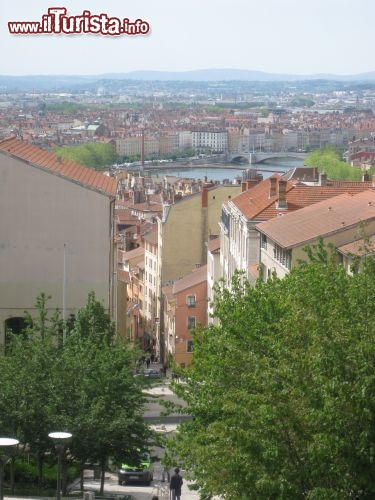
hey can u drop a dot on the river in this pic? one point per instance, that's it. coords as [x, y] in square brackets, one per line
[228, 171]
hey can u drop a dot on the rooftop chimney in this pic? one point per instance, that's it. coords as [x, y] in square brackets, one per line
[322, 179]
[252, 182]
[243, 186]
[281, 202]
[273, 184]
[204, 196]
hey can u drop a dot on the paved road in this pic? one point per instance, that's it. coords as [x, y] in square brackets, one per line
[160, 424]
[158, 487]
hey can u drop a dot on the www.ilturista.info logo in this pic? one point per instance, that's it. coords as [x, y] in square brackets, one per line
[57, 22]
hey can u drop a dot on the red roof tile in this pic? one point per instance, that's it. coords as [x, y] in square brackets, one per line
[320, 219]
[359, 247]
[49, 162]
[214, 244]
[256, 204]
[197, 276]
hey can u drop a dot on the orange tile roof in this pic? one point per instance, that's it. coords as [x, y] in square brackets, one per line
[359, 247]
[49, 162]
[256, 204]
[197, 276]
[214, 244]
[321, 219]
[124, 216]
[131, 254]
[254, 201]
[151, 236]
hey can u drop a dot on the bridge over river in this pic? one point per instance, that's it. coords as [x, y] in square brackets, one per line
[259, 156]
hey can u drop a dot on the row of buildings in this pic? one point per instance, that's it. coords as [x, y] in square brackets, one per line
[150, 257]
[170, 130]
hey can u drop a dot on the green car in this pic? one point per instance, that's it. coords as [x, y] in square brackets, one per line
[141, 471]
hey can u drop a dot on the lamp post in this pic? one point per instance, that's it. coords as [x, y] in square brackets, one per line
[5, 447]
[59, 438]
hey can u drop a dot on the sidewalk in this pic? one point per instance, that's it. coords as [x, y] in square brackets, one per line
[138, 492]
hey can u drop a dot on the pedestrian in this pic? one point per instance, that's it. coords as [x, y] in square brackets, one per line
[148, 362]
[176, 484]
[164, 370]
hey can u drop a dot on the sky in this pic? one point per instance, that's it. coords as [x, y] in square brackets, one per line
[300, 37]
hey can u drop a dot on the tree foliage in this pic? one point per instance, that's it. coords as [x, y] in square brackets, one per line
[84, 385]
[281, 394]
[96, 155]
[329, 161]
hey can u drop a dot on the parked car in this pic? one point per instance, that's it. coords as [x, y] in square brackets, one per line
[151, 373]
[141, 471]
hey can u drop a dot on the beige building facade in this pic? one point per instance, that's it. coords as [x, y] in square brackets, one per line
[186, 226]
[57, 234]
[183, 232]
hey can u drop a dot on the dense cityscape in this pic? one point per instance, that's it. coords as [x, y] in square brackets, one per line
[236, 116]
[175, 260]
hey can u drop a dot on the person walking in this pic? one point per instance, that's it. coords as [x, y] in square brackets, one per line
[176, 484]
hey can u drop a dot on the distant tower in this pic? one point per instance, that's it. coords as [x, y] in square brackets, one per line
[143, 150]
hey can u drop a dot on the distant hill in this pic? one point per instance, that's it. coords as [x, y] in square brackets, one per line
[78, 82]
[225, 74]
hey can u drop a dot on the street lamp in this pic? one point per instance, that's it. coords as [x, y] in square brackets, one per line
[5, 447]
[59, 438]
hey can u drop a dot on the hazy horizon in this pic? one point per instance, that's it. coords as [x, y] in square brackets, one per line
[298, 37]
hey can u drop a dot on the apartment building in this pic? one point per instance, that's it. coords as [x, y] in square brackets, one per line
[185, 140]
[150, 241]
[57, 234]
[269, 199]
[183, 231]
[352, 254]
[168, 143]
[215, 141]
[340, 220]
[132, 146]
[213, 274]
[186, 226]
[131, 271]
[185, 307]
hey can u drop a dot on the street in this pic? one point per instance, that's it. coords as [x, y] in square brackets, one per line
[160, 424]
[139, 492]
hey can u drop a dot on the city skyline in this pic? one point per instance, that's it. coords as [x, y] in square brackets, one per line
[291, 37]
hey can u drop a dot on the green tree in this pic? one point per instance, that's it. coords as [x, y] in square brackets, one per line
[84, 385]
[282, 392]
[95, 155]
[329, 161]
[26, 408]
[99, 400]
[94, 323]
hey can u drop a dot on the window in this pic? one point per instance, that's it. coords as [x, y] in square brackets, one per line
[191, 301]
[283, 256]
[263, 241]
[191, 322]
[189, 346]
